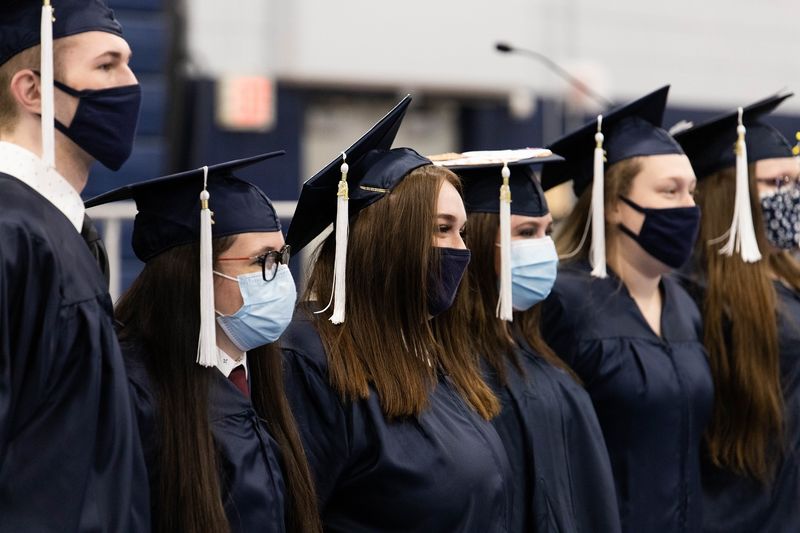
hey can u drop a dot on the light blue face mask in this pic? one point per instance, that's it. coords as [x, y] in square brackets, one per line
[267, 309]
[534, 264]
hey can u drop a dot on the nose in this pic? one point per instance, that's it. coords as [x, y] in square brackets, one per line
[128, 77]
[459, 242]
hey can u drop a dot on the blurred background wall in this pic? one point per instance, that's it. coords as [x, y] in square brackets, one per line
[223, 80]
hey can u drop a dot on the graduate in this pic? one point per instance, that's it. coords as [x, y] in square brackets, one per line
[222, 450]
[747, 283]
[561, 473]
[70, 456]
[628, 330]
[395, 424]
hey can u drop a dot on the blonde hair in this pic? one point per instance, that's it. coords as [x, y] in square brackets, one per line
[27, 59]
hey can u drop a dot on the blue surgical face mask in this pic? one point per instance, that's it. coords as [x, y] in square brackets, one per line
[266, 312]
[534, 264]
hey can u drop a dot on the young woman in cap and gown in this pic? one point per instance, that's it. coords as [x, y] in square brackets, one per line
[70, 456]
[394, 421]
[747, 283]
[222, 449]
[627, 329]
[561, 473]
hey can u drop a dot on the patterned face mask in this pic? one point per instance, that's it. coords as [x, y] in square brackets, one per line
[782, 217]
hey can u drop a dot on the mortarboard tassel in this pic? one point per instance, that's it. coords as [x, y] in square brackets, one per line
[46, 87]
[597, 253]
[340, 260]
[207, 352]
[741, 235]
[505, 311]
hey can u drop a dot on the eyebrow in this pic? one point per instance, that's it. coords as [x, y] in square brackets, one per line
[116, 55]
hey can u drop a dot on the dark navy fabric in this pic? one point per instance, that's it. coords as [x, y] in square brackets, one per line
[710, 146]
[561, 473]
[630, 131]
[70, 456]
[20, 22]
[169, 207]
[482, 191]
[736, 504]
[253, 491]
[374, 170]
[443, 471]
[652, 395]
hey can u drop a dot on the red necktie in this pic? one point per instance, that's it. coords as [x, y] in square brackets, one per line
[238, 377]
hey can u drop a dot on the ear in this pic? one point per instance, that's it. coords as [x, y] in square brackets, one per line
[25, 89]
[614, 213]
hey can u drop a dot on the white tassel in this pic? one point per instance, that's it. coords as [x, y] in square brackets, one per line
[505, 311]
[207, 352]
[46, 88]
[597, 253]
[742, 235]
[340, 260]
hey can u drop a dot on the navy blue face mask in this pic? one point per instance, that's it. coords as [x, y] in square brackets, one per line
[105, 122]
[443, 285]
[667, 234]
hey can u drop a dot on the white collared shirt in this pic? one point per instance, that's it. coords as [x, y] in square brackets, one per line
[19, 163]
[226, 364]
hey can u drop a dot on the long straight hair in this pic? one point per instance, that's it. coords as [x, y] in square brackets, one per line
[741, 337]
[157, 314]
[474, 316]
[387, 341]
[573, 238]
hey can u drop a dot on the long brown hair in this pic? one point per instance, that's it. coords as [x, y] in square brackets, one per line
[386, 340]
[617, 182]
[473, 315]
[156, 313]
[741, 337]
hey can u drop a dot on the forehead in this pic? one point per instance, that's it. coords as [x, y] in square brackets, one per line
[779, 166]
[90, 45]
[657, 167]
[256, 242]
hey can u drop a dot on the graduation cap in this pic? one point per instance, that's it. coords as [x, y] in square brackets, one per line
[361, 175]
[490, 180]
[20, 22]
[632, 130]
[175, 210]
[27, 23]
[736, 139]
[710, 145]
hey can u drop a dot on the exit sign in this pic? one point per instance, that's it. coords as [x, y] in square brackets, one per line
[245, 103]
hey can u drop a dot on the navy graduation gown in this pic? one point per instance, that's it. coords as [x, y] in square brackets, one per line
[653, 395]
[736, 504]
[253, 491]
[70, 456]
[561, 473]
[443, 471]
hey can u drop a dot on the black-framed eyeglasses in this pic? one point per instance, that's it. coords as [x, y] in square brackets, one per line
[269, 261]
